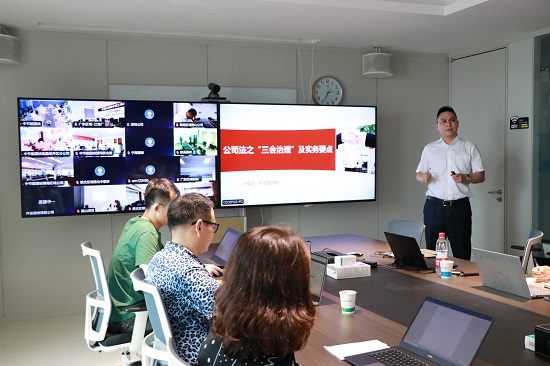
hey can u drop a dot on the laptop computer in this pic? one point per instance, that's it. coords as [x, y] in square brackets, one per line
[407, 252]
[503, 272]
[440, 334]
[317, 271]
[225, 248]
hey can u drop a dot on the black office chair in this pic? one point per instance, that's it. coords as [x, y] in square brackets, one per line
[98, 311]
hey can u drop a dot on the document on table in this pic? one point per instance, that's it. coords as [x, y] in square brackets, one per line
[349, 349]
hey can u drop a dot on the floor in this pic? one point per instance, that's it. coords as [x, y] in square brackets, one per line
[51, 341]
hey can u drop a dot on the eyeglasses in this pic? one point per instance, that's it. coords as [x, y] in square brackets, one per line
[450, 120]
[215, 224]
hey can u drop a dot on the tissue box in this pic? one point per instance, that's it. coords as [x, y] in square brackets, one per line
[344, 260]
[530, 342]
[355, 270]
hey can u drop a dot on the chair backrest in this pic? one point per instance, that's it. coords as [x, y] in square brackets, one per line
[97, 320]
[173, 357]
[155, 306]
[535, 239]
[410, 228]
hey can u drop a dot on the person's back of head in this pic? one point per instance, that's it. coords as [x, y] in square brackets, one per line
[264, 306]
[160, 191]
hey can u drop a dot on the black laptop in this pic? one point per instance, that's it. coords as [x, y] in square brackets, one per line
[225, 248]
[440, 334]
[407, 252]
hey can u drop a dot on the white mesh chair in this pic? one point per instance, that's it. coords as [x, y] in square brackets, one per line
[411, 228]
[533, 247]
[98, 311]
[173, 357]
[154, 348]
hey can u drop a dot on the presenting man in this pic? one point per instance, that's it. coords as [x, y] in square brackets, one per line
[448, 166]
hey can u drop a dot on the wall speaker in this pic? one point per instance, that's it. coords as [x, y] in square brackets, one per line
[9, 49]
[378, 65]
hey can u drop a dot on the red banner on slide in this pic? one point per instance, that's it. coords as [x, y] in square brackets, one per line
[277, 150]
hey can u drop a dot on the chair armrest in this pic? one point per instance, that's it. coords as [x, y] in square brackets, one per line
[134, 308]
[521, 247]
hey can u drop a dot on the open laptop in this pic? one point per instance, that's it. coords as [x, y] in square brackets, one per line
[318, 270]
[407, 252]
[225, 248]
[440, 334]
[503, 272]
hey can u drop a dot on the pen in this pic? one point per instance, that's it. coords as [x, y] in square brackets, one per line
[537, 266]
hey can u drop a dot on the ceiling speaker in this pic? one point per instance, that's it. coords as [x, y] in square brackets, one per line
[9, 49]
[378, 65]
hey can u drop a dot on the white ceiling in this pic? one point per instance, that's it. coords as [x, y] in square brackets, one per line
[438, 26]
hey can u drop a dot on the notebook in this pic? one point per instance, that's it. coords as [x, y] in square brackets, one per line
[407, 252]
[318, 270]
[225, 248]
[440, 334]
[503, 272]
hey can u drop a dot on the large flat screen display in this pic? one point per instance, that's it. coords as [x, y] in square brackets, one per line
[290, 154]
[92, 156]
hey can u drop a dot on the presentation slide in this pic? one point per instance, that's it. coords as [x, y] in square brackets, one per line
[285, 154]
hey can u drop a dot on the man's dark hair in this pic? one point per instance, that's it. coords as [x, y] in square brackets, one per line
[160, 191]
[193, 111]
[188, 208]
[445, 109]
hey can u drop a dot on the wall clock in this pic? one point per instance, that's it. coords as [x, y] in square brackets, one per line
[326, 90]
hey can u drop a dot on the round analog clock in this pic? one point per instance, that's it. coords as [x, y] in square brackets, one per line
[327, 91]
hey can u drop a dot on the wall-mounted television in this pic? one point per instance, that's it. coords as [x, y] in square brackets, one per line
[96, 156]
[296, 154]
[80, 157]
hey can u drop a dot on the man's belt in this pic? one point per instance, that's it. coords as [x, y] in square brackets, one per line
[448, 203]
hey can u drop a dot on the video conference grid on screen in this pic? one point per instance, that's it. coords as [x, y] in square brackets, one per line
[88, 157]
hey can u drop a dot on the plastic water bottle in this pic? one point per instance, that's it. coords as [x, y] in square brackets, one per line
[441, 252]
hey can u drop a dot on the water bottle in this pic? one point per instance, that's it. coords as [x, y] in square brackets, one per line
[441, 252]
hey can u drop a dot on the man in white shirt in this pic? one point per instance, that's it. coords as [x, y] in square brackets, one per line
[448, 166]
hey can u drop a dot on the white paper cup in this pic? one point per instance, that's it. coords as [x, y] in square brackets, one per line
[446, 268]
[347, 301]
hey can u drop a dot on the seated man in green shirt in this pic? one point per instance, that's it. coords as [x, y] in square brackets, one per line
[139, 242]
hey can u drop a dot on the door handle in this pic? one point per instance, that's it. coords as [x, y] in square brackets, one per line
[495, 192]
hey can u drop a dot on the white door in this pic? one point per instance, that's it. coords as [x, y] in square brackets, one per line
[478, 95]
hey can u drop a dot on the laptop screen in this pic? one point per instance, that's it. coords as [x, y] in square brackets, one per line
[317, 273]
[446, 333]
[227, 244]
[406, 251]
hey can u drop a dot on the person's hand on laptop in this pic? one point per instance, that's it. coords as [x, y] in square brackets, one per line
[213, 269]
[541, 273]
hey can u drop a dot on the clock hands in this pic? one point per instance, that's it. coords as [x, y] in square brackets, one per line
[326, 95]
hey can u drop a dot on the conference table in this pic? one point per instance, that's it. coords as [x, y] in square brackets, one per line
[388, 300]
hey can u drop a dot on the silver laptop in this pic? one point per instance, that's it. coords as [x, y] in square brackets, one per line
[318, 270]
[225, 248]
[503, 272]
[427, 342]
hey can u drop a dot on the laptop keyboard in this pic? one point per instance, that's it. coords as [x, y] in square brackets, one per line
[207, 261]
[394, 357]
[538, 290]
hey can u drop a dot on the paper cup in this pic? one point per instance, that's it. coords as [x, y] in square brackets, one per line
[446, 268]
[347, 301]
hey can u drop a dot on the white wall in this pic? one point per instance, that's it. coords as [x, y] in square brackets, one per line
[42, 269]
[519, 144]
